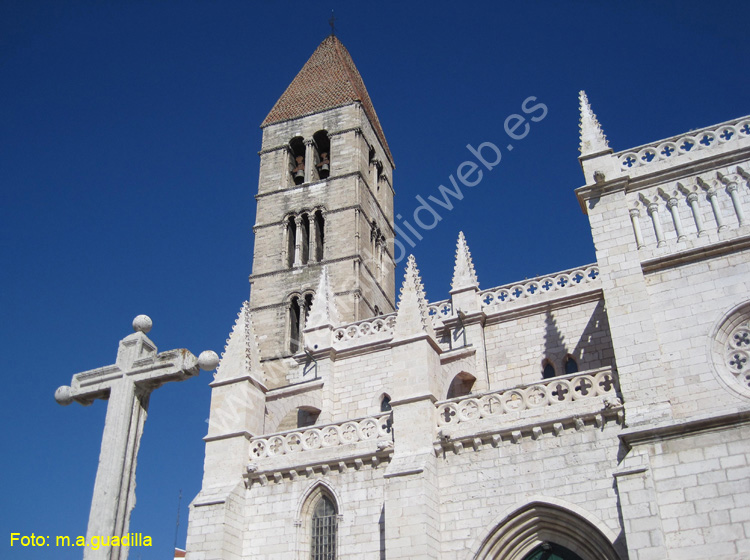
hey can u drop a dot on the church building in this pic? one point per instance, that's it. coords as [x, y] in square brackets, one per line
[595, 413]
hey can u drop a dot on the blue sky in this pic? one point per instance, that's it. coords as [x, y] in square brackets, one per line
[128, 164]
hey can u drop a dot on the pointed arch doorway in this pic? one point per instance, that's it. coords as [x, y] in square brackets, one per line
[547, 531]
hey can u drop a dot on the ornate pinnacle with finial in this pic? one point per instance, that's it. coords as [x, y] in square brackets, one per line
[593, 140]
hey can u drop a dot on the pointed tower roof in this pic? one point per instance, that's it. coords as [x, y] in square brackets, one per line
[464, 275]
[323, 310]
[329, 79]
[593, 140]
[412, 317]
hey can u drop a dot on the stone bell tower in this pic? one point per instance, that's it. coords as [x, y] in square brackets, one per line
[325, 198]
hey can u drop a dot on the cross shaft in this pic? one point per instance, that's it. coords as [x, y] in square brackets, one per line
[127, 385]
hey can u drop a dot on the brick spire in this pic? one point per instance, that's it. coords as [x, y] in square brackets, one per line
[593, 140]
[329, 79]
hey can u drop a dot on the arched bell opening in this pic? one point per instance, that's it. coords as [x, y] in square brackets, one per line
[297, 153]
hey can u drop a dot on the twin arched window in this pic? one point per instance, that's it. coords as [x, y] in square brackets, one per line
[569, 365]
[310, 159]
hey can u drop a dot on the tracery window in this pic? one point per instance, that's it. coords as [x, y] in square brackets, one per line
[324, 529]
[730, 350]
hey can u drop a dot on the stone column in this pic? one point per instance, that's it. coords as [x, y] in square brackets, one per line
[309, 161]
[733, 194]
[672, 205]
[653, 211]
[716, 210]
[285, 244]
[298, 241]
[312, 237]
[692, 199]
[635, 215]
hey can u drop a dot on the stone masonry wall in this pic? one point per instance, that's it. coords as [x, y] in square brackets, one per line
[517, 347]
[477, 487]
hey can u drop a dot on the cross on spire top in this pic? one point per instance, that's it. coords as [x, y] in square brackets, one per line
[332, 23]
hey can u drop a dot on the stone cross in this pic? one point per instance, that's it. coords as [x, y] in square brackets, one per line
[127, 384]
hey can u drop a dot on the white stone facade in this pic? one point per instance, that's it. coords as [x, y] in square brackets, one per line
[602, 411]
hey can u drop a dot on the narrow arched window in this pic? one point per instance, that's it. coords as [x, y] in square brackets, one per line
[323, 156]
[306, 308]
[571, 366]
[304, 234]
[549, 370]
[385, 404]
[297, 153]
[291, 240]
[294, 325]
[319, 223]
[324, 528]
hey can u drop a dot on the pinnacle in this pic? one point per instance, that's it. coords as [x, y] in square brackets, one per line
[464, 275]
[241, 354]
[412, 317]
[323, 310]
[593, 140]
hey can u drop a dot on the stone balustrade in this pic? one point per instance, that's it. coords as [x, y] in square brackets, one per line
[565, 281]
[677, 146]
[368, 330]
[551, 392]
[438, 311]
[322, 437]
